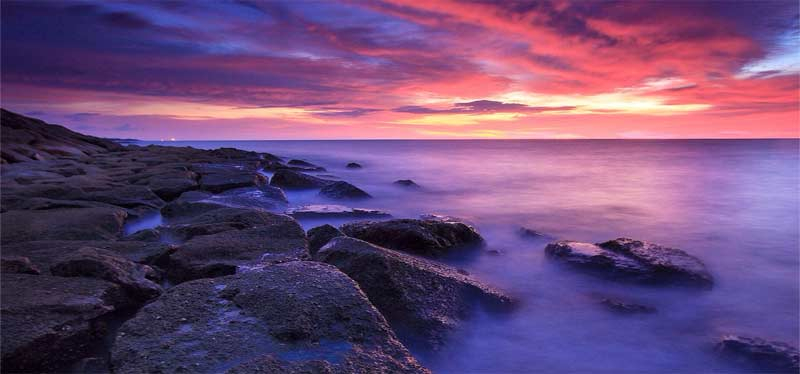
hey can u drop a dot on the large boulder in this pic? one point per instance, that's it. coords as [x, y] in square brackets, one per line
[633, 260]
[280, 318]
[291, 179]
[321, 235]
[343, 190]
[218, 178]
[222, 240]
[429, 237]
[765, 356]
[50, 322]
[420, 298]
[62, 224]
[106, 265]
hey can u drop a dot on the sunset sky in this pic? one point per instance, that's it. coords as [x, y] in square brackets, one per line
[405, 68]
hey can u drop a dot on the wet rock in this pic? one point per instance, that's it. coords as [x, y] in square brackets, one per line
[192, 196]
[219, 178]
[301, 163]
[321, 235]
[279, 318]
[626, 308]
[170, 188]
[43, 254]
[765, 356]
[50, 322]
[92, 365]
[222, 240]
[251, 197]
[527, 233]
[182, 210]
[343, 190]
[146, 235]
[423, 237]
[130, 196]
[106, 265]
[274, 193]
[334, 211]
[420, 298]
[633, 260]
[291, 179]
[17, 264]
[62, 224]
[354, 165]
[406, 183]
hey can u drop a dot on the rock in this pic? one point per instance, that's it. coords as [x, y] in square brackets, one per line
[279, 318]
[633, 260]
[301, 163]
[626, 308]
[251, 197]
[222, 240]
[26, 139]
[321, 235]
[219, 178]
[423, 237]
[273, 193]
[171, 188]
[192, 196]
[353, 165]
[146, 235]
[343, 190]
[295, 180]
[333, 211]
[62, 224]
[43, 254]
[182, 210]
[18, 265]
[527, 233]
[420, 298]
[128, 197]
[50, 322]
[406, 183]
[764, 355]
[106, 265]
[92, 365]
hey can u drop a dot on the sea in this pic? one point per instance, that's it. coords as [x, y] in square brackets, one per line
[734, 204]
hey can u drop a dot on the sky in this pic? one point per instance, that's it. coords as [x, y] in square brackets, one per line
[405, 69]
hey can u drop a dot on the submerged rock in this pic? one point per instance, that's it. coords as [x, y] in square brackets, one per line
[343, 190]
[62, 224]
[280, 318]
[251, 197]
[633, 260]
[406, 183]
[50, 322]
[626, 308]
[354, 165]
[532, 234]
[420, 298]
[424, 237]
[330, 211]
[764, 355]
[321, 235]
[109, 266]
[295, 180]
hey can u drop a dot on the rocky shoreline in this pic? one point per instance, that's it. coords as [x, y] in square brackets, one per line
[228, 281]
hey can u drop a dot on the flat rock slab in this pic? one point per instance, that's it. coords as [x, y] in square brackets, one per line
[766, 356]
[62, 224]
[50, 322]
[343, 191]
[279, 318]
[218, 178]
[334, 211]
[45, 253]
[420, 298]
[291, 179]
[252, 198]
[633, 260]
[428, 237]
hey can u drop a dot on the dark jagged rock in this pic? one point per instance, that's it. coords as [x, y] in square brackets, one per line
[219, 241]
[532, 234]
[278, 318]
[18, 265]
[219, 178]
[418, 297]
[321, 235]
[62, 224]
[334, 211]
[423, 237]
[626, 308]
[354, 165]
[633, 260]
[50, 322]
[343, 190]
[106, 265]
[406, 183]
[765, 356]
[291, 179]
[26, 139]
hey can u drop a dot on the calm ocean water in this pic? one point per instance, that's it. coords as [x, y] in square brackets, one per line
[734, 204]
